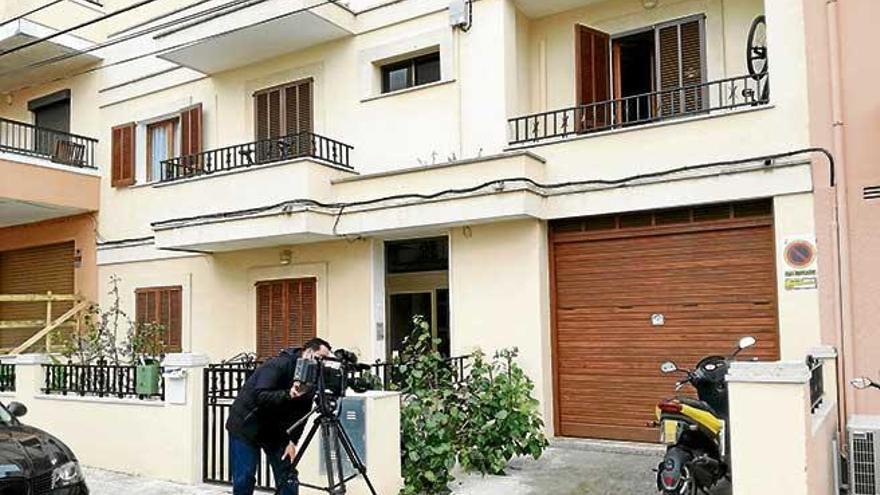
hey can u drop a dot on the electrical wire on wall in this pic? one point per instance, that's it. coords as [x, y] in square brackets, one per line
[225, 8]
[496, 185]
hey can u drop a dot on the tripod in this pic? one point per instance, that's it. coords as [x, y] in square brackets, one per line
[333, 435]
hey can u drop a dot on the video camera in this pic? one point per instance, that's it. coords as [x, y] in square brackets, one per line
[330, 377]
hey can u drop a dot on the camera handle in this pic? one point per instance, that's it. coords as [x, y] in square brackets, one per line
[333, 434]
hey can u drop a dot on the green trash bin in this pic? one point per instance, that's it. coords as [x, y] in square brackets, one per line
[147, 380]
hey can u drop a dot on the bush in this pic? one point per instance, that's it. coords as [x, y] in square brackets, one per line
[502, 419]
[429, 414]
[483, 422]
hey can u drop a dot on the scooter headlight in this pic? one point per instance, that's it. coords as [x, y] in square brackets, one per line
[67, 474]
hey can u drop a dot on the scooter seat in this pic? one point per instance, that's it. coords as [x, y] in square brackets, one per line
[697, 404]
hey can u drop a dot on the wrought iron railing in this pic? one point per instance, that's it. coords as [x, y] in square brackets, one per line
[222, 383]
[684, 101]
[389, 374]
[97, 380]
[300, 145]
[7, 377]
[57, 146]
[817, 383]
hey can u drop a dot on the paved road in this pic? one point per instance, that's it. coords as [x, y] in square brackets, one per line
[567, 468]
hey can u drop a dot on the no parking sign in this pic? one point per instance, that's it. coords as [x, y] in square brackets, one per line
[800, 271]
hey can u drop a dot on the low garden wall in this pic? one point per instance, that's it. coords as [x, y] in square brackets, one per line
[783, 423]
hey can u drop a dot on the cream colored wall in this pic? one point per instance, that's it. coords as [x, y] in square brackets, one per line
[219, 317]
[84, 113]
[764, 414]
[553, 38]
[799, 324]
[499, 297]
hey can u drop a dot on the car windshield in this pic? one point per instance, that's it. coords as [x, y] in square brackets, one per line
[5, 417]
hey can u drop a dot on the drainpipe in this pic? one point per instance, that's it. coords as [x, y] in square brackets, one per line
[841, 219]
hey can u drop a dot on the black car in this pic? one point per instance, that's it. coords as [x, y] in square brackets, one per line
[33, 462]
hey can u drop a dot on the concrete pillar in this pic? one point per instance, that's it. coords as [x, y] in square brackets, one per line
[779, 444]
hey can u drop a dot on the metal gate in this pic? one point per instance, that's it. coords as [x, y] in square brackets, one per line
[222, 383]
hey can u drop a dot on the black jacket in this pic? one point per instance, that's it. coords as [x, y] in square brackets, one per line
[263, 410]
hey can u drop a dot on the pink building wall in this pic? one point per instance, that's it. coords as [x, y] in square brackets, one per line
[844, 74]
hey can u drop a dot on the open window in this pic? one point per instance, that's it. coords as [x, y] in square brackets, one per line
[641, 75]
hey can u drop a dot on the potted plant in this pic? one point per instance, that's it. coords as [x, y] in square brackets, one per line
[145, 346]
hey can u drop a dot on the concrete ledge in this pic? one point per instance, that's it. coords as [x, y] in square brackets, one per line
[764, 372]
[31, 359]
[100, 400]
[823, 352]
[186, 360]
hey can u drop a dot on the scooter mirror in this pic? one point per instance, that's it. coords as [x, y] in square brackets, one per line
[668, 367]
[746, 342]
[861, 382]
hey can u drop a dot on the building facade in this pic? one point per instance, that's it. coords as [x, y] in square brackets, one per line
[604, 185]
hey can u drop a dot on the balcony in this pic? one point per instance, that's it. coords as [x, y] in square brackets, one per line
[262, 152]
[62, 55]
[717, 96]
[45, 174]
[235, 36]
[55, 146]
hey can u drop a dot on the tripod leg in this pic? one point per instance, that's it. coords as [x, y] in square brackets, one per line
[353, 456]
[328, 459]
[305, 445]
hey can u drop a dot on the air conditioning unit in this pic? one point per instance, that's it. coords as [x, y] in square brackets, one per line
[863, 439]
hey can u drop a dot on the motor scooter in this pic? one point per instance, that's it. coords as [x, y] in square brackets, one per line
[695, 430]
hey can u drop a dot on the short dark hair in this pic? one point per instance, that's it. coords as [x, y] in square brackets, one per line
[316, 343]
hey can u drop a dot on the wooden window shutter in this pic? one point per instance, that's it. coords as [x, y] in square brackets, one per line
[304, 111]
[122, 157]
[286, 315]
[261, 116]
[162, 305]
[191, 130]
[680, 60]
[592, 51]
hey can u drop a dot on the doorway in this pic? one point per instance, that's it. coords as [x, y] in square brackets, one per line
[417, 283]
[634, 64]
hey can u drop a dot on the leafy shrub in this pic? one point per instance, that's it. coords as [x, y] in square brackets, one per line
[482, 422]
[501, 416]
[429, 414]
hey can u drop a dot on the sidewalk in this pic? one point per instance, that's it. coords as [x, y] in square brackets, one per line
[567, 468]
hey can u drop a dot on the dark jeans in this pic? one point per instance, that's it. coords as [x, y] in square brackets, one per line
[244, 460]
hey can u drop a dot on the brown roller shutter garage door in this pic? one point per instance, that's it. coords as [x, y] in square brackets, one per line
[710, 271]
[35, 270]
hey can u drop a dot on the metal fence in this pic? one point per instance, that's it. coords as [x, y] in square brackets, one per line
[96, 380]
[222, 383]
[684, 101]
[300, 145]
[817, 383]
[7, 377]
[57, 146]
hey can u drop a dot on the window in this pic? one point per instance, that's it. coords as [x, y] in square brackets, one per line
[51, 112]
[286, 314]
[417, 255]
[416, 71]
[161, 145]
[661, 58]
[162, 305]
[281, 111]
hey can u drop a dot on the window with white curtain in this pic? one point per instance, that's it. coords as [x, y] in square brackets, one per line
[161, 145]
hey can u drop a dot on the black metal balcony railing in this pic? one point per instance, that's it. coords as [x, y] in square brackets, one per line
[684, 101]
[57, 146]
[300, 145]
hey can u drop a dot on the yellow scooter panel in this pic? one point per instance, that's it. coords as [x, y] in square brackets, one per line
[704, 418]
